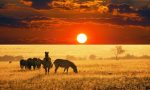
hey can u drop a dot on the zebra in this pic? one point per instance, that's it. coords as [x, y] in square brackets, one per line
[23, 64]
[65, 64]
[47, 64]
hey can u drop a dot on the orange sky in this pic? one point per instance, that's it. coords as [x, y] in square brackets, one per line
[66, 34]
[57, 22]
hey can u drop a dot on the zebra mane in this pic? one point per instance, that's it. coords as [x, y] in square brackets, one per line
[47, 58]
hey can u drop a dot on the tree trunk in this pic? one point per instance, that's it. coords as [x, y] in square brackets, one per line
[117, 57]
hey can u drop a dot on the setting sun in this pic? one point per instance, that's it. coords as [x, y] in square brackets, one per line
[81, 38]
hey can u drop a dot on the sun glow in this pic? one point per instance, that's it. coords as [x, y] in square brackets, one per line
[81, 38]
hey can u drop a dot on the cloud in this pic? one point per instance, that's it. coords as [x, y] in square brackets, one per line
[134, 3]
[121, 8]
[39, 4]
[103, 9]
[8, 21]
[2, 5]
[27, 3]
[145, 12]
[129, 12]
[68, 5]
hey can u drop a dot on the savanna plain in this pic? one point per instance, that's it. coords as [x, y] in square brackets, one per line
[92, 75]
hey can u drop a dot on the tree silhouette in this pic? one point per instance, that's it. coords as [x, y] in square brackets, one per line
[92, 57]
[117, 51]
[71, 57]
[40, 4]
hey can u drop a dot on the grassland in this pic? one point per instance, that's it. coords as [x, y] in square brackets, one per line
[93, 75]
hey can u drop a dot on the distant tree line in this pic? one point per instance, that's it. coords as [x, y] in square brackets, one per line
[130, 56]
[94, 57]
[90, 57]
[10, 58]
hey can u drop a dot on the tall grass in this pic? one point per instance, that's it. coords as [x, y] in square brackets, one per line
[93, 75]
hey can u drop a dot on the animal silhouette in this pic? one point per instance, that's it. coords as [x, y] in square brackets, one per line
[30, 62]
[23, 64]
[37, 62]
[65, 64]
[47, 64]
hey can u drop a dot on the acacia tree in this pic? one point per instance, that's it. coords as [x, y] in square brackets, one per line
[92, 57]
[117, 51]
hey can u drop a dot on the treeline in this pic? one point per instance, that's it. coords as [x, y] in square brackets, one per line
[130, 56]
[90, 57]
[95, 57]
[72, 57]
[10, 58]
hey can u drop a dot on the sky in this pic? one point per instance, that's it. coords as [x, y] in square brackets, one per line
[59, 22]
[61, 51]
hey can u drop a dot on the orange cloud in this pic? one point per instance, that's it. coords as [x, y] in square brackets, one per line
[103, 9]
[28, 3]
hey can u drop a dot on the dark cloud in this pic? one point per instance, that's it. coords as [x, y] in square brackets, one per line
[121, 8]
[124, 9]
[2, 4]
[23, 22]
[8, 21]
[134, 3]
[145, 12]
[19, 16]
[40, 4]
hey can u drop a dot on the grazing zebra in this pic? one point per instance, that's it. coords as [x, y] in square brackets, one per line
[23, 64]
[30, 62]
[65, 64]
[34, 62]
[47, 64]
[37, 62]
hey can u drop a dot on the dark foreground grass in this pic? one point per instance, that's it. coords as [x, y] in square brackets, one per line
[78, 83]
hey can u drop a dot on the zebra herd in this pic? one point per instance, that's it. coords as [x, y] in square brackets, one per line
[30, 62]
[36, 63]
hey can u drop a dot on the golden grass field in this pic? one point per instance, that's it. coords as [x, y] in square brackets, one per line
[93, 75]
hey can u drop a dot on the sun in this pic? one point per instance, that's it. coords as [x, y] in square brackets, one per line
[81, 38]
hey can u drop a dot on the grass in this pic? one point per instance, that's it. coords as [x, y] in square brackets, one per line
[93, 75]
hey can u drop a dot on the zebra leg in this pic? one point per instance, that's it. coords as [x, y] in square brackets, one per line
[25, 67]
[64, 70]
[45, 71]
[29, 67]
[48, 70]
[34, 67]
[21, 66]
[56, 69]
[67, 70]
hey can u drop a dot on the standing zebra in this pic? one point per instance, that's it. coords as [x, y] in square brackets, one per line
[47, 64]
